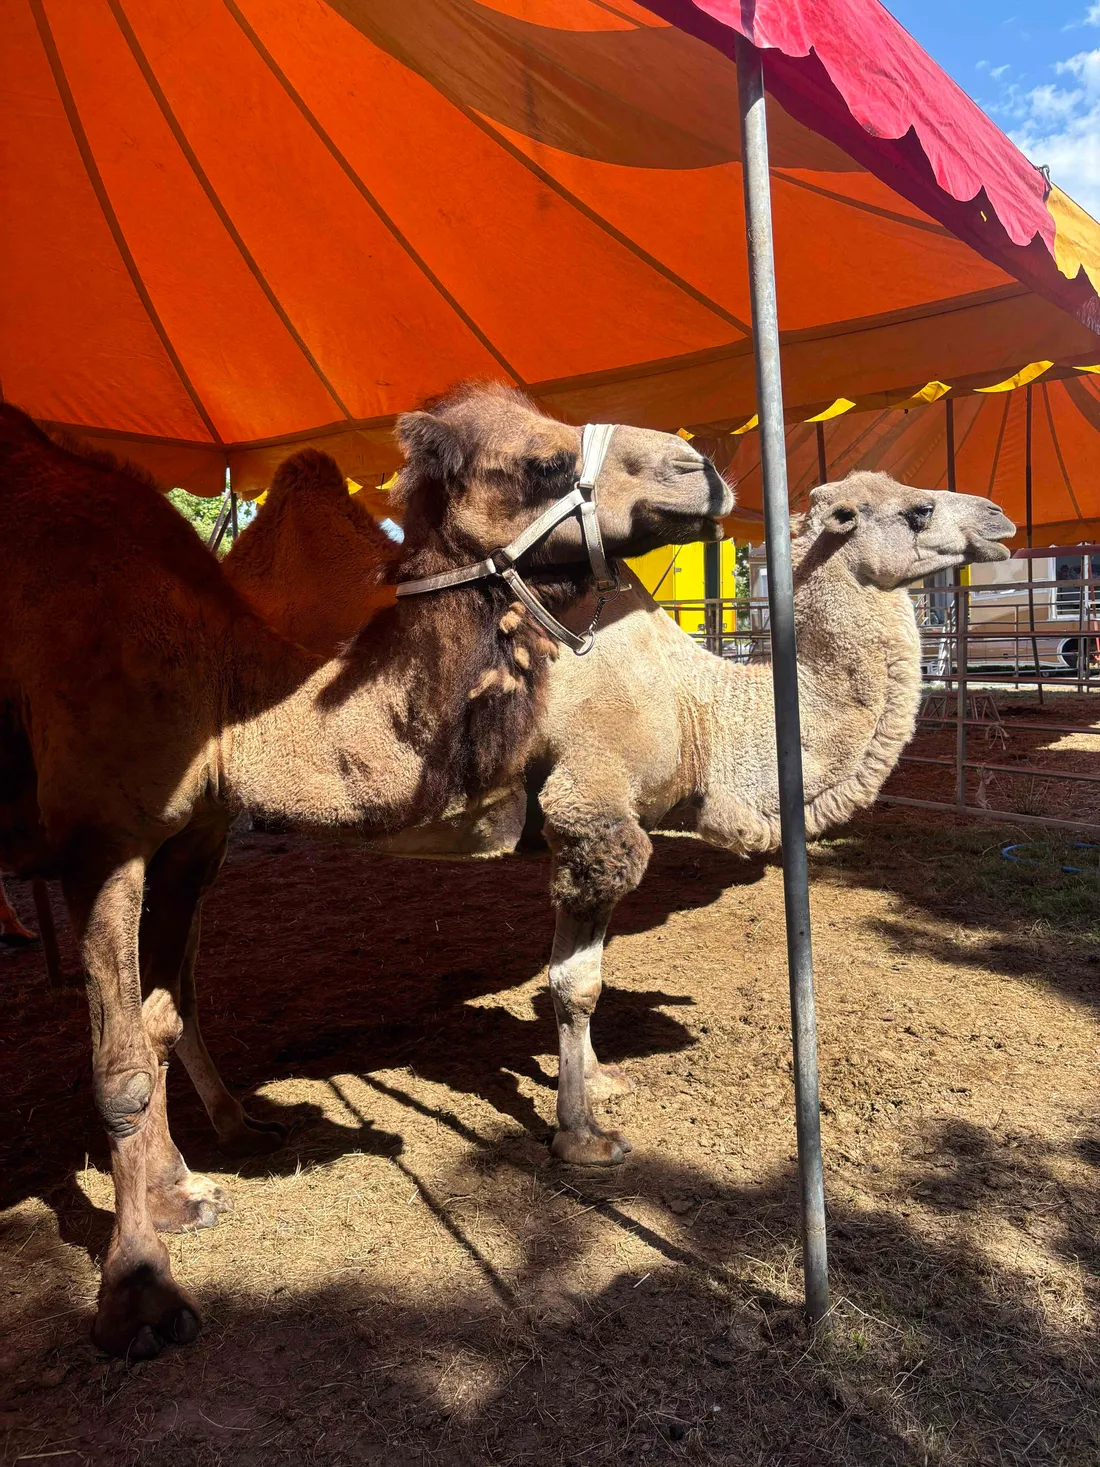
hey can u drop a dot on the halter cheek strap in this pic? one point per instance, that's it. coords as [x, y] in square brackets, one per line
[582, 500]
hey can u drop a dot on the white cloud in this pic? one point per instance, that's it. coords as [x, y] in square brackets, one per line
[1058, 123]
[999, 71]
[1093, 16]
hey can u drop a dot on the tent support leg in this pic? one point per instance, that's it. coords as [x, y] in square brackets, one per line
[777, 531]
[950, 409]
[822, 461]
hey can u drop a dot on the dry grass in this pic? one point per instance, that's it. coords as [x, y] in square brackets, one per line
[413, 1282]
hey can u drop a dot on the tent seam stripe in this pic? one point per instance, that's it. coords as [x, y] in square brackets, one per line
[1058, 451]
[99, 188]
[640, 253]
[390, 224]
[548, 181]
[219, 208]
[969, 428]
[929, 226]
[1000, 445]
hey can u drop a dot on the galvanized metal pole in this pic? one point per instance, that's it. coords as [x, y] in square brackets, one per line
[950, 409]
[1027, 531]
[962, 654]
[777, 540]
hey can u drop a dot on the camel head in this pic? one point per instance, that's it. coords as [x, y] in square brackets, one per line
[890, 535]
[483, 463]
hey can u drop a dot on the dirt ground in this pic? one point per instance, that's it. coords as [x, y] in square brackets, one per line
[413, 1281]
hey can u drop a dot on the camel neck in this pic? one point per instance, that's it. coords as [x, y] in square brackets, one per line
[859, 687]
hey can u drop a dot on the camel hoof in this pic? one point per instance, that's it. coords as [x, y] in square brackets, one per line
[142, 1312]
[253, 1138]
[609, 1083]
[145, 1345]
[590, 1148]
[185, 1327]
[19, 939]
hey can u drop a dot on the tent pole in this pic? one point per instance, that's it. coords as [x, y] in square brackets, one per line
[950, 406]
[1027, 531]
[777, 532]
[220, 525]
[822, 461]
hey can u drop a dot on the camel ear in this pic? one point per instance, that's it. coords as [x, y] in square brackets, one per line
[430, 445]
[839, 518]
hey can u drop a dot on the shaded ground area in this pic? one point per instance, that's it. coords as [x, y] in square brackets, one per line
[412, 1281]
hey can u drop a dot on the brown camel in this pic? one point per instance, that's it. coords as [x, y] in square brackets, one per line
[14, 934]
[650, 729]
[12, 931]
[143, 704]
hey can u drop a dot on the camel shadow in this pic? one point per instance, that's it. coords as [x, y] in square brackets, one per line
[417, 1011]
[319, 960]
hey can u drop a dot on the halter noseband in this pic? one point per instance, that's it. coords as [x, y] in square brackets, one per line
[595, 441]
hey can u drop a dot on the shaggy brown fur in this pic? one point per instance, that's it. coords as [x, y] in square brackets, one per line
[144, 702]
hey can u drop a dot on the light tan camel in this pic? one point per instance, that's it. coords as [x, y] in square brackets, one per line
[143, 703]
[650, 729]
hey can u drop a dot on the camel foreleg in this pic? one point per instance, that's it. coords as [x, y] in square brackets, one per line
[141, 1307]
[598, 859]
[575, 984]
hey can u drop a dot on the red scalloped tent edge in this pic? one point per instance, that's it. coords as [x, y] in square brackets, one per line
[849, 71]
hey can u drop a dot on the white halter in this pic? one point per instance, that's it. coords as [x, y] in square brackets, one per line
[595, 441]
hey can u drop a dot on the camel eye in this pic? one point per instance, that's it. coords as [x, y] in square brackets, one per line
[917, 517]
[550, 468]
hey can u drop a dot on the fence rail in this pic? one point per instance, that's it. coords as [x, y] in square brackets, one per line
[964, 651]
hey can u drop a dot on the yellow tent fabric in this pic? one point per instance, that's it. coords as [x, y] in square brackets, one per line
[990, 454]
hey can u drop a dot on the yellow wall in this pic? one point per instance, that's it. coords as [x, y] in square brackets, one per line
[685, 581]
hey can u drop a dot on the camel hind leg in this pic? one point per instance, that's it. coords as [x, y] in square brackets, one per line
[178, 1199]
[239, 1134]
[47, 928]
[141, 1307]
[12, 931]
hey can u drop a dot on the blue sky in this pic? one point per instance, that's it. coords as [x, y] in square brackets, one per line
[1035, 68]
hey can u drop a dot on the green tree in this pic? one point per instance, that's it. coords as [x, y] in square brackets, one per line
[203, 513]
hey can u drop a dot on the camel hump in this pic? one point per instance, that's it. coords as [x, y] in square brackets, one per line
[308, 472]
[18, 428]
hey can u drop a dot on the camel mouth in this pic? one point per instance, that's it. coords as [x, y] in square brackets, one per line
[987, 550]
[684, 528]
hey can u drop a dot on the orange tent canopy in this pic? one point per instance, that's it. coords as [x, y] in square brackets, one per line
[233, 226]
[990, 455]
